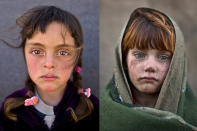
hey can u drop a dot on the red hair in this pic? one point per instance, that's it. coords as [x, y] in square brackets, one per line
[148, 29]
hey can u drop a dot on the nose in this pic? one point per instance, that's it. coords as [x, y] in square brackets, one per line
[49, 62]
[150, 65]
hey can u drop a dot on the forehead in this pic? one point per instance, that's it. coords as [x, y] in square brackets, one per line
[56, 34]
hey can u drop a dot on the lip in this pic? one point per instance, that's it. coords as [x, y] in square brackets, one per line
[148, 79]
[49, 77]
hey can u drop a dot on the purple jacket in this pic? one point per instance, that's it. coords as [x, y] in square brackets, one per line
[30, 120]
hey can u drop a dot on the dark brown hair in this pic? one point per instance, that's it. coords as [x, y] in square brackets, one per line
[37, 19]
[148, 29]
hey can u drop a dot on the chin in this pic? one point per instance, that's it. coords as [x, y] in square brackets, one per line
[148, 89]
[48, 88]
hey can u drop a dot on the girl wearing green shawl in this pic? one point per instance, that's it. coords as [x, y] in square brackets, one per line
[149, 89]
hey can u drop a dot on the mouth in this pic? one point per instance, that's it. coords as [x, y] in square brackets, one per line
[148, 79]
[49, 77]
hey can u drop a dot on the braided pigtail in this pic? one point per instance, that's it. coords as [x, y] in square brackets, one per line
[14, 102]
[11, 104]
[85, 106]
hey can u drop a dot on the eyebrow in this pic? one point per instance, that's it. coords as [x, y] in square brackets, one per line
[58, 46]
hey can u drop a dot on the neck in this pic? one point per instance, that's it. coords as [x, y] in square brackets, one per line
[51, 98]
[144, 99]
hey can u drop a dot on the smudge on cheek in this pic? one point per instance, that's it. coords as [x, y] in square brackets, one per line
[134, 68]
[163, 67]
[137, 66]
[162, 70]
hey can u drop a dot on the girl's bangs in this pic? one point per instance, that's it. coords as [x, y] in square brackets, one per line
[148, 36]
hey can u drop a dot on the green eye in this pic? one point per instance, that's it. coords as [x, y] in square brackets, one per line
[164, 57]
[139, 55]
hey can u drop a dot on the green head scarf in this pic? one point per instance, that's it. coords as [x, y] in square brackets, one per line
[176, 106]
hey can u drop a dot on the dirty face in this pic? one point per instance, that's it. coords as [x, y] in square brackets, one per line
[147, 69]
[50, 58]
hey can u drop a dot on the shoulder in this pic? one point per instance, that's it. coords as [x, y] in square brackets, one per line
[94, 100]
[91, 122]
[95, 113]
[16, 94]
[5, 123]
[189, 107]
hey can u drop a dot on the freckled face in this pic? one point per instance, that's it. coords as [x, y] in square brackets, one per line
[50, 58]
[147, 69]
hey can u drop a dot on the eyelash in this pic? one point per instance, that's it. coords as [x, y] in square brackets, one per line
[141, 56]
[163, 57]
[66, 53]
[35, 52]
[40, 52]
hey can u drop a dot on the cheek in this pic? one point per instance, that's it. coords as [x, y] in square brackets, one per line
[32, 65]
[163, 67]
[66, 68]
[134, 69]
[163, 70]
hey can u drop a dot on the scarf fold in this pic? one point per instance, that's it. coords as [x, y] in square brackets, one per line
[116, 116]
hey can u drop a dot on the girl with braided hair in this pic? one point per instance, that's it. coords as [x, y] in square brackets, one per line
[53, 99]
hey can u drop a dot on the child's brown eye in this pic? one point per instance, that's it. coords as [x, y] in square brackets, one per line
[63, 53]
[37, 52]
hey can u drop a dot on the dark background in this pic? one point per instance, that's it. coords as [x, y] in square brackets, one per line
[114, 15]
[12, 66]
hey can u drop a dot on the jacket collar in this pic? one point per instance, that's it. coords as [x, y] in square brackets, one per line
[70, 99]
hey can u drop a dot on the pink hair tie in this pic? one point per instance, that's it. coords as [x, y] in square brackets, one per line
[86, 92]
[31, 101]
[78, 69]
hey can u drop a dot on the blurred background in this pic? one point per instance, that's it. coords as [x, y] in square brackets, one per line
[12, 67]
[114, 14]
